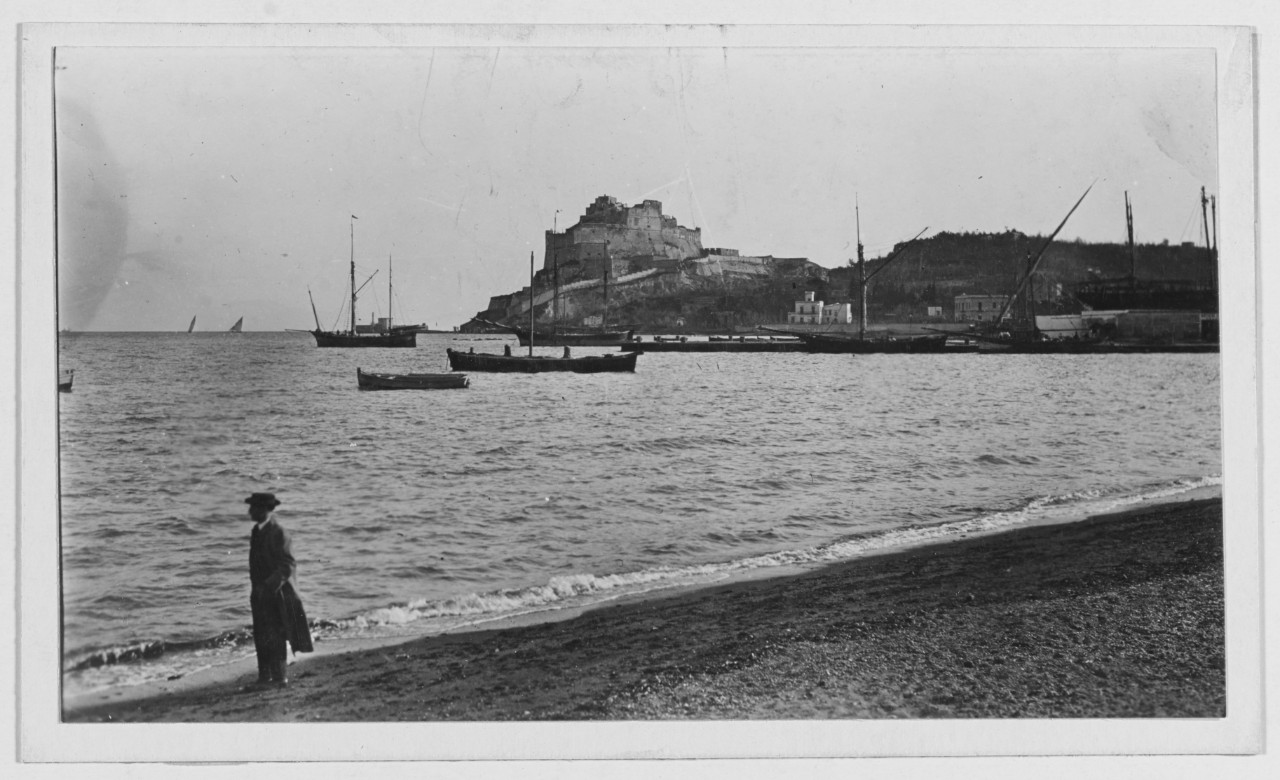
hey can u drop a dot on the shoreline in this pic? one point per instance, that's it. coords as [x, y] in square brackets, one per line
[1115, 615]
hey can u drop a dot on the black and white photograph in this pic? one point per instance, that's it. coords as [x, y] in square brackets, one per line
[717, 391]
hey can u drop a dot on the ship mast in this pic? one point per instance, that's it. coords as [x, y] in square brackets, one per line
[555, 277]
[389, 320]
[604, 321]
[1128, 218]
[353, 274]
[1204, 214]
[1213, 207]
[1031, 266]
[530, 304]
[863, 277]
[862, 270]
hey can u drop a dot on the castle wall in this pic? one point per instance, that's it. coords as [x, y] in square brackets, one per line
[631, 231]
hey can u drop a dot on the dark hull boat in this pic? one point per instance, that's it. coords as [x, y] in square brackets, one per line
[394, 337]
[851, 345]
[1149, 294]
[548, 338]
[65, 379]
[372, 381]
[1132, 292]
[1023, 344]
[537, 364]
[344, 339]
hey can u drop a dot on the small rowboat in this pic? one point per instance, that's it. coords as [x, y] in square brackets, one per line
[370, 381]
[65, 379]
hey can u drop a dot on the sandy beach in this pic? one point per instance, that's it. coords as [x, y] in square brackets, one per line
[1117, 616]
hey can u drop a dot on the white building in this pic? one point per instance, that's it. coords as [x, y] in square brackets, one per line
[811, 312]
[837, 313]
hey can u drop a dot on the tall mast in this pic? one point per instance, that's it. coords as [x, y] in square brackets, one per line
[862, 274]
[1128, 218]
[313, 311]
[1213, 207]
[555, 275]
[1204, 203]
[604, 322]
[389, 320]
[1031, 266]
[531, 304]
[353, 273]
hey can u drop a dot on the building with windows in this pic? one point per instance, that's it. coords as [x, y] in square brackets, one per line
[811, 312]
[979, 308]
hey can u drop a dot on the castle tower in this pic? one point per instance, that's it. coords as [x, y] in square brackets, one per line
[637, 237]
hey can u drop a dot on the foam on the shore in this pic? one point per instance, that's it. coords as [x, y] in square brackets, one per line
[566, 596]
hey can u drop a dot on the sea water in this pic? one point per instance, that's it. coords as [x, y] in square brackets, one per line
[415, 512]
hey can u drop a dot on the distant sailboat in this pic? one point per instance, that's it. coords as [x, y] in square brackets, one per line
[192, 326]
[234, 328]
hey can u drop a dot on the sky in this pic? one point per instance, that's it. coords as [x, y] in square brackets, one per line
[221, 182]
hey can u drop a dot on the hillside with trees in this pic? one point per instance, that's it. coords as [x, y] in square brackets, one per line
[927, 273]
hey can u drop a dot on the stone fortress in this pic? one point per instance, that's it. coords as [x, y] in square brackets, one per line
[645, 253]
[637, 238]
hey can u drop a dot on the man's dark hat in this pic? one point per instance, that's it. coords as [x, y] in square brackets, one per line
[268, 500]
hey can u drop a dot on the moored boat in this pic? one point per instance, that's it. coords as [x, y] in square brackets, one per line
[353, 337]
[827, 343]
[537, 364]
[64, 380]
[382, 381]
[1133, 292]
[854, 344]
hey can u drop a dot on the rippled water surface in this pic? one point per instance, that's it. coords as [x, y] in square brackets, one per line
[416, 511]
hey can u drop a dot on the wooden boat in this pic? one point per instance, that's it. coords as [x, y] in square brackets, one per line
[556, 336]
[239, 324]
[1132, 292]
[65, 379]
[789, 345]
[538, 364]
[353, 337]
[827, 343]
[372, 381]
[573, 338]
[851, 344]
[531, 364]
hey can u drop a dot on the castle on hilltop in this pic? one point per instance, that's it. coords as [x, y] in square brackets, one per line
[637, 238]
[644, 254]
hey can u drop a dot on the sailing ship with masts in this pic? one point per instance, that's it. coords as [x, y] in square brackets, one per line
[392, 337]
[559, 336]
[507, 363]
[1132, 292]
[832, 342]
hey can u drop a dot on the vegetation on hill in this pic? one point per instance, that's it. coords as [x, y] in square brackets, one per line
[928, 273]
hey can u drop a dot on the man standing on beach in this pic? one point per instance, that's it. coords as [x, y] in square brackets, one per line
[277, 611]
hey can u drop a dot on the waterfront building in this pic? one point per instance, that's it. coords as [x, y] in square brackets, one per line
[813, 312]
[979, 308]
[807, 312]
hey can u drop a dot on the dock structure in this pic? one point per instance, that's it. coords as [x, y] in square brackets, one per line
[744, 345]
